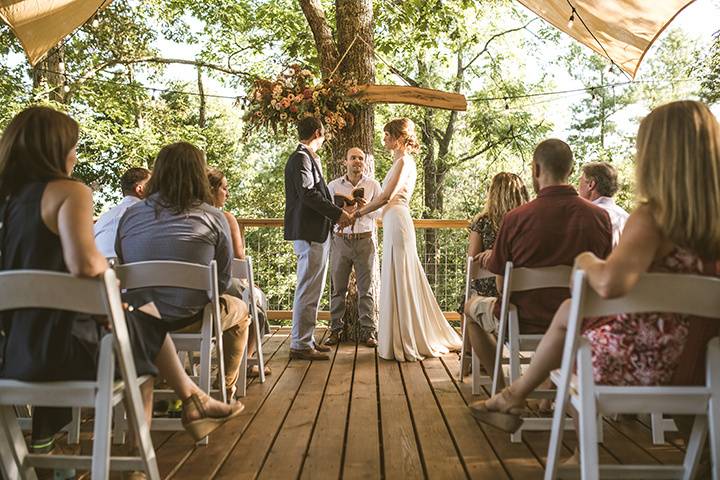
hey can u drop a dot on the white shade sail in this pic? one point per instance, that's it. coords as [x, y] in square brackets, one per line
[41, 24]
[624, 28]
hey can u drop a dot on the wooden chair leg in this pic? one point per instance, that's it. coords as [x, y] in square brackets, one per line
[476, 383]
[241, 383]
[589, 466]
[259, 350]
[119, 424]
[696, 442]
[103, 411]
[13, 450]
[713, 382]
[74, 432]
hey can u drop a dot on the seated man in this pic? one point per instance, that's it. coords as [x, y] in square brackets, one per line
[550, 230]
[175, 222]
[132, 184]
[598, 184]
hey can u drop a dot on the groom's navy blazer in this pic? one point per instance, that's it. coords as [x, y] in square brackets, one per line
[309, 211]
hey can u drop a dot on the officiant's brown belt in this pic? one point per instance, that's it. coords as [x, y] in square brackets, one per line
[354, 236]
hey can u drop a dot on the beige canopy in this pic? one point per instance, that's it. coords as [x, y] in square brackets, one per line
[625, 28]
[41, 24]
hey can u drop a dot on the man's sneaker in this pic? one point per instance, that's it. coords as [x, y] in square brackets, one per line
[333, 339]
[371, 341]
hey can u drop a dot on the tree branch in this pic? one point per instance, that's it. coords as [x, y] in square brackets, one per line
[130, 61]
[494, 37]
[324, 42]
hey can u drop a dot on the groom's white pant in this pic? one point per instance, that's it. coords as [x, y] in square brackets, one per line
[311, 272]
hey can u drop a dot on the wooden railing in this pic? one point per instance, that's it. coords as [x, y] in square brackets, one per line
[442, 253]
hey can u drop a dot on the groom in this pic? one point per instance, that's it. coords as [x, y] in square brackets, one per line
[309, 216]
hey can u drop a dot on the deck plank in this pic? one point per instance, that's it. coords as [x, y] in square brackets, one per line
[286, 456]
[400, 450]
[205, 461]
[517, 459]
[248, 455]
[325, 453]
[362, 452]
[436, 444]
[477, 454]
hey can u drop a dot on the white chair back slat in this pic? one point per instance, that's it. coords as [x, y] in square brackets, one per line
[660, 292]
[165, 273]
[557, 276]
[60, 291]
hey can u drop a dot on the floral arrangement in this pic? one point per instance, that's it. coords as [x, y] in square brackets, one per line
[296, 94]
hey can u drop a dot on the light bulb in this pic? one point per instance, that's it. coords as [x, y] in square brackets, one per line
[571, 22]
[95, 23]
[66, 88]
[61, 66]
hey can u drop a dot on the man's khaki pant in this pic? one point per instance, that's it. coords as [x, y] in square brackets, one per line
[234, 321]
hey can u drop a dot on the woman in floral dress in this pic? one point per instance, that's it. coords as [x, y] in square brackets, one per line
[507, 191]
[673, 230]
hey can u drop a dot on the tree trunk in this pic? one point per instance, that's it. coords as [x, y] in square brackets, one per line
[354, 27]
[49, 75]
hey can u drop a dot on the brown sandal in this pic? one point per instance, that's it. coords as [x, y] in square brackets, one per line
[204, 424]
[508, 421]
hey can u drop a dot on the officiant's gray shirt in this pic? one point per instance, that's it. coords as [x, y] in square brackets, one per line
[149, 231]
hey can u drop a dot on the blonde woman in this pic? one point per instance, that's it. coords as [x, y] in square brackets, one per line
[411, 324]
[674, 229]
[507, 191]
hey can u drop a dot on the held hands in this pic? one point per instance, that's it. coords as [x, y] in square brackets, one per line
[346, 219]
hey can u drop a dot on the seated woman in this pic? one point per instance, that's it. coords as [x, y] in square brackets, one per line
[674, 229]
[176, 222]
[219, 195]
[46, 224]
[507, 191]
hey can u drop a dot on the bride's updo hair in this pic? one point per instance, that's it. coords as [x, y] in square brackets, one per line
[403, 129]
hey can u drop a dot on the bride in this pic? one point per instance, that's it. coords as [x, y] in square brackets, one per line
[411, 324]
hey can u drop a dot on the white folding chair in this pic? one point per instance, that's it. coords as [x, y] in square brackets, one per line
[519, 280]
[98, 296]
[655, 292]
[472, 272]
[242, 269]
[162, 273]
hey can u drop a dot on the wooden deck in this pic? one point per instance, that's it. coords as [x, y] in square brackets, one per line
[358, 416]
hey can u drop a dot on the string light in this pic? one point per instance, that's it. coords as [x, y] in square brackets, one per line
[571, 21]
[66, 88]
[61, 66]
[95, 23]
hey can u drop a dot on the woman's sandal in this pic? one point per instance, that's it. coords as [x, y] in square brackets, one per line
[508, 420]
[196, 420]
[254, 371]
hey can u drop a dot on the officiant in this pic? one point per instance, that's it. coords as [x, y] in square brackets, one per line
[353, 246]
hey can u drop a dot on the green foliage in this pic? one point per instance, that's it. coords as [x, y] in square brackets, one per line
[497, 44]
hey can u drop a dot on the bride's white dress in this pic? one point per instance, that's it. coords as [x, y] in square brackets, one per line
[411, 324]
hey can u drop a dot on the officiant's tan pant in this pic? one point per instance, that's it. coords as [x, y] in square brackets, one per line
[344, 254]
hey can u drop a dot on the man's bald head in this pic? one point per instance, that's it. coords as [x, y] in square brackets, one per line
[355, 161]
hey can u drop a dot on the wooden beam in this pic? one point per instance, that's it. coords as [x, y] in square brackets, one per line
[424, 97]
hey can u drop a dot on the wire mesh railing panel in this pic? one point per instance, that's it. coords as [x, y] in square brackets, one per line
[442, 253]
